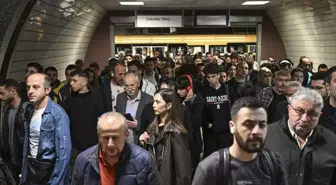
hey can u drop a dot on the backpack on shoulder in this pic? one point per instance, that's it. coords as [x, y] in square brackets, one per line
[224, 172]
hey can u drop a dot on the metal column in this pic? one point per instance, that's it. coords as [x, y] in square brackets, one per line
[112, 41]
[259, 35]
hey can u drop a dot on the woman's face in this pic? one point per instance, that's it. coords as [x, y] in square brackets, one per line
[160, 107]
[198, 61]
[232, 71]
[267, 78]
[91, 76]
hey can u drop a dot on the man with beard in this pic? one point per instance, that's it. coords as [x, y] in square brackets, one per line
[113, 160]
[307, 147]
[56, 85]
[245, 162]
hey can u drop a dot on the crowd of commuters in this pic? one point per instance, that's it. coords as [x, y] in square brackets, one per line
[200, 120]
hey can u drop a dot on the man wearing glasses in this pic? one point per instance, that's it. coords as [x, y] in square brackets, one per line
[306, 147]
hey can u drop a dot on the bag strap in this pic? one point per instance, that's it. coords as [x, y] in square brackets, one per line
[270, 159]
[223, 172]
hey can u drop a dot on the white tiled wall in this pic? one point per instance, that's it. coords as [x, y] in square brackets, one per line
[307, 28]
[62, 37]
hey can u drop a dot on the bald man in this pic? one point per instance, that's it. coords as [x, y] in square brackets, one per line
[132, 102]
[47, 143]
[113, 160]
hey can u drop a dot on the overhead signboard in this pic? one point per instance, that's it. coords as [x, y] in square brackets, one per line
[158, 21]
[211, 20]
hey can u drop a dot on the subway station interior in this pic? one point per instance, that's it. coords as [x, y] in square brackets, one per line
[58, 32]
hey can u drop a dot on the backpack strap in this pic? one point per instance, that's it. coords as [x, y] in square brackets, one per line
[271, 162]
[223, 172]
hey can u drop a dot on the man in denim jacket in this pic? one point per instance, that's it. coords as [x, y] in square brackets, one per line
[47, 143]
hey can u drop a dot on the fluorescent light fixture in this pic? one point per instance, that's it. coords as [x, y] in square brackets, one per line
[255, 2]
[132, 3]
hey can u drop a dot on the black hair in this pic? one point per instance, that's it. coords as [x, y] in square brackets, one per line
[112, 68]
[150, 59]
[111, 63]
[207, 53]
[70, 67]
[136, 63]
[182, 82]
[94, 65]
[79, 61]
[81, 73]
[321, 75]
[165, 80]
[51, 68]
[248, 102]
[322, 66]
[211, 69]
[297, 70]
[329, 73]
[11, 83]
[234, 55]
[37, 66]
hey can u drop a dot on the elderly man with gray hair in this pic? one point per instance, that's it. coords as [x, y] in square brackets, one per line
[307, 148]
[114, 160]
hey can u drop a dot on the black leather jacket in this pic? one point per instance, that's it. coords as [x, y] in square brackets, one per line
[15, 132]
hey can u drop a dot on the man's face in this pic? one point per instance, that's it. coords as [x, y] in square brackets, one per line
[156, 54]
[29, 71]
[201, 71]
[149, 66]
[298, 76]
[6, 95]
[280, 83]
[232, 71]
[290, 91]
[332, 85]
[323, 69]
[167, 73]
[223, 77]
[36, 89]
[119, 73]
[52, 75]
[227, 59]
[234, 60]
[242, 70]
[112, 137]
[67, 75]
[271, 60]
[131, 86]
[209, 57]
[182, 92]
[128, 58]
[306, 64]
[267, 78]
[198, 61]
[77, 83]
[303, 117]
[250, 129]
[213, 79]
[320, 87]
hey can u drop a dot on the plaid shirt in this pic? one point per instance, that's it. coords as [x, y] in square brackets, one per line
[266, 96]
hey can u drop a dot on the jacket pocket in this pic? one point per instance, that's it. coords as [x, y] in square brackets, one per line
[48, 133]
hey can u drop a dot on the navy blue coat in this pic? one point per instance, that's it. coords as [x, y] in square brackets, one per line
[135, 167]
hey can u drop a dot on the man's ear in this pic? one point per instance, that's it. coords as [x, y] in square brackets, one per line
[327, 86]
[232, 127]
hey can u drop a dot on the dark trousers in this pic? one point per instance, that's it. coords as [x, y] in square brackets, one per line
[215, 141]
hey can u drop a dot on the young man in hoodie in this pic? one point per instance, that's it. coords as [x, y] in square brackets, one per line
[56, 84]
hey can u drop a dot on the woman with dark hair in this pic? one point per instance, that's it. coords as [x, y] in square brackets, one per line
[167, 140]
[93, 81]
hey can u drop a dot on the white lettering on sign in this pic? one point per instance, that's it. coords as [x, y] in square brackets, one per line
[169, 21]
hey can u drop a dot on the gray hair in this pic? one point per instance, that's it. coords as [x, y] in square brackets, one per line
[291, 84]
[47, 81]
[305, 94]
[137, 76]
[113, 116]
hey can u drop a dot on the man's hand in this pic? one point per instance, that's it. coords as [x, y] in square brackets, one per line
[132, 124]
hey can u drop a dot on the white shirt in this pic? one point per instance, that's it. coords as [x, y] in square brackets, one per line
[148, 87]
[34, 132]
[115, 90]
[151, 79]
[297, 138]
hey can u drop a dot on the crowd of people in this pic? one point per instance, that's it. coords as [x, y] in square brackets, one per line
[158, 121]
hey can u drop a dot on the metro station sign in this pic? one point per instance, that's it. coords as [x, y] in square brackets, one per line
[158, 21]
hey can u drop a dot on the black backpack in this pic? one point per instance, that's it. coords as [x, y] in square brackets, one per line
[224, 172]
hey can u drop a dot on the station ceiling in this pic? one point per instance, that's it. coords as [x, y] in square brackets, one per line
[190, 4]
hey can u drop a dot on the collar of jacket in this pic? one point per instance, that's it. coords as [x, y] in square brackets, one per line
[120, 166]
[316, 137]
[49, 106]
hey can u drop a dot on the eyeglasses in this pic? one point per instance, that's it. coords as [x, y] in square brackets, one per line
[311, 114]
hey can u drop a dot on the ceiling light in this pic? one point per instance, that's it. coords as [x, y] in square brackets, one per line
[133, 3]
[255, 2]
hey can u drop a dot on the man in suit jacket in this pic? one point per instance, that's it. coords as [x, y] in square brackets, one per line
[132, 102]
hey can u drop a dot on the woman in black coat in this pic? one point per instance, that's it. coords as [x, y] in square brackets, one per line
[167, 140]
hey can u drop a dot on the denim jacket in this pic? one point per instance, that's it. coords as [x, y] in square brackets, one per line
[54, 143]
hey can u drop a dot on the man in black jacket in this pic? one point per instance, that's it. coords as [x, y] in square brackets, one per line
[12, 126]
[245, 162]
[307, 148]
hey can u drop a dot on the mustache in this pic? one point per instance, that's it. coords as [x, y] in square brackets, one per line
[255, 139]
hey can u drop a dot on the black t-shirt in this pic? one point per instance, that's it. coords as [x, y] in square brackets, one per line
[271, 110]
[248, 173]
[333, 111]
[217, 108]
